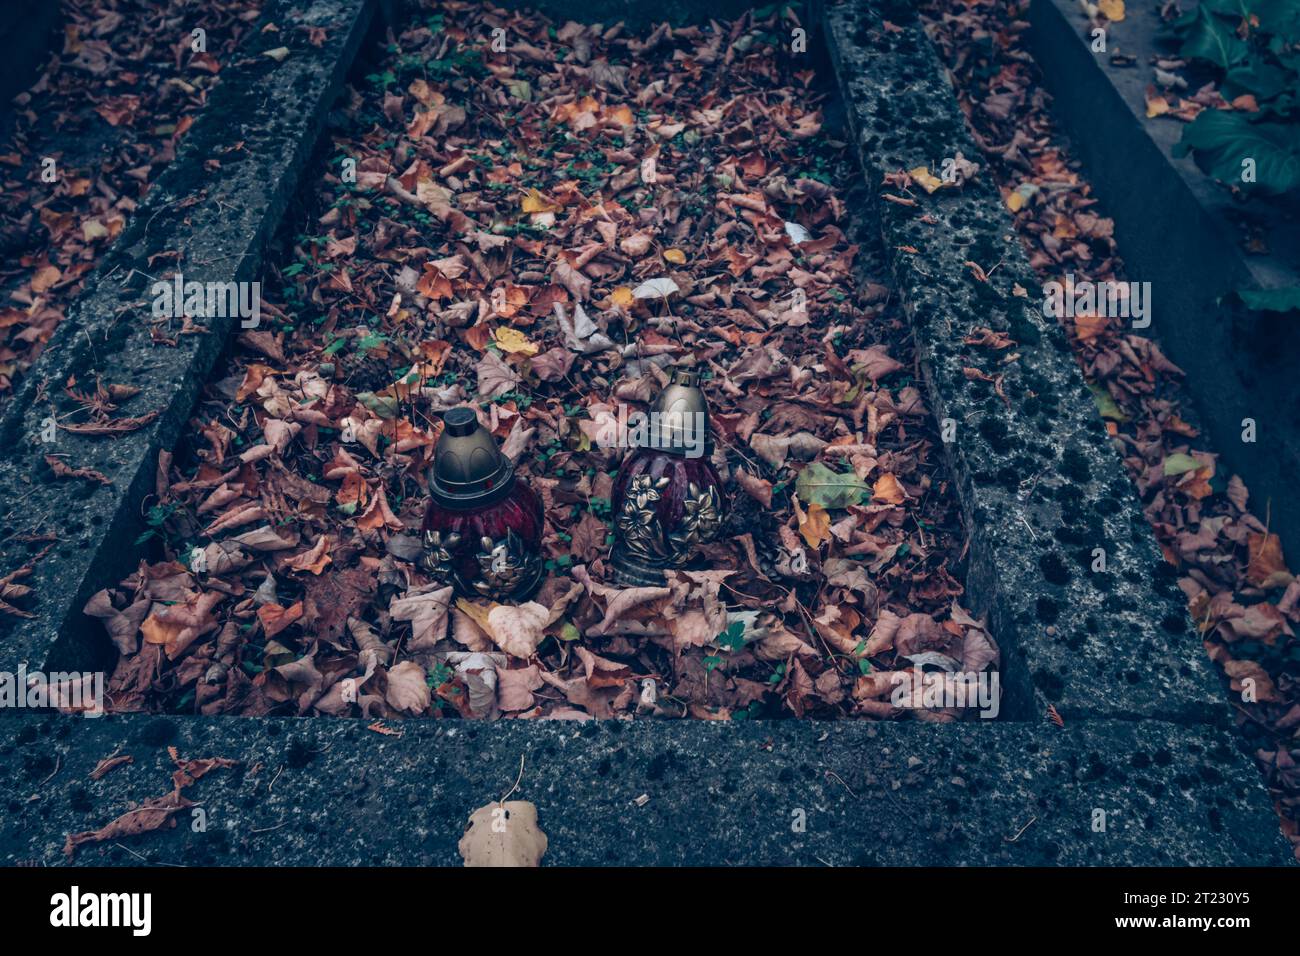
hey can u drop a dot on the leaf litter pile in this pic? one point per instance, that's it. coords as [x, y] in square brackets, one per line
[543, 233]
[109, 109]
[1241, 595]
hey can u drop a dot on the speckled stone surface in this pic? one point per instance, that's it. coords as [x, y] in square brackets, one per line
[1171, 786]
[333, 792]
[1040, 484]
[218, 227]
[1183, 232]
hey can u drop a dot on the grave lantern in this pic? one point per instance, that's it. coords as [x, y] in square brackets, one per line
[482, 527]
[667, 498]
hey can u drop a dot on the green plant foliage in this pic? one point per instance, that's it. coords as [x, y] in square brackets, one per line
[1223, 140]
[1271, 300]
[1251, 42]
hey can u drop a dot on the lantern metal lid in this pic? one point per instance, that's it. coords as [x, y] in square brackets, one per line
[680, 416]
[469, 470]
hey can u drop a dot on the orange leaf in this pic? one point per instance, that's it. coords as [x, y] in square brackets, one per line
[816, 525]
[379, 515]
[1265, 558]
[888, 490]
[275, 618]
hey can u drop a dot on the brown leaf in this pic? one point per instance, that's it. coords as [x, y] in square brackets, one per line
[110, 763]
[816, 526]
[150, 815]
[888, 490]
[760, 489]
[408, 690]
[114, 426]
[62, 469]
[275, 618]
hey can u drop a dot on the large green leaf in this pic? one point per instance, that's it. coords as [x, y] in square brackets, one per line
[1263, 80]
[1281, 18]
[1222, 139]
[1275, 17]
[830, 489]
[1271, 300]
[1212, 39]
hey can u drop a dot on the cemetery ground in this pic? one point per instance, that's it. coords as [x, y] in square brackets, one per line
[845, 218]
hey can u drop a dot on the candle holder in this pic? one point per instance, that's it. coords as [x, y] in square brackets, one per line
[482, 530]
[667, 498]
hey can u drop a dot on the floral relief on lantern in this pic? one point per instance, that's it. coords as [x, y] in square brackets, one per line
[482, 529]
[667, 497]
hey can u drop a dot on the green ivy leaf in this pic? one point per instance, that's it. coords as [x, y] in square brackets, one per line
[819, 484]
[1263, 80]
[1106, 404]
[1281, 18]
[1180, 464]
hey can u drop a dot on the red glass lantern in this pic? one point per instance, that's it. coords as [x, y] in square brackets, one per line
[482, 528]
[667, 498]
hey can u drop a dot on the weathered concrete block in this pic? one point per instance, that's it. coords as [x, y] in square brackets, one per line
[1040, 484]
[210, 227]
[330, 791]
[28, 29]
[1182, 232]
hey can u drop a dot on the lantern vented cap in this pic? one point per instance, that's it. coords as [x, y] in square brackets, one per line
[469, 469]
[682, 414]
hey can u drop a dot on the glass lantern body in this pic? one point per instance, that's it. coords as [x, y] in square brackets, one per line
[665, 506]
[490, 550]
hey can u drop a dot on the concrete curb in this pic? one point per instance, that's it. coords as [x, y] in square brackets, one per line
[27, 32]
[1040, 484]
[210, 228]
[309, 792]
[1179, 231]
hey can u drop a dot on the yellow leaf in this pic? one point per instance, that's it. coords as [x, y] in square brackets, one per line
[1015, 201]
[816, 525]
[1112, 10]
[1156, 105]
[93, 229]
[513, 341]
[923, 177]
[477, 612]
[675, 256]
[534, 201]
[156, 631]
[623, 297]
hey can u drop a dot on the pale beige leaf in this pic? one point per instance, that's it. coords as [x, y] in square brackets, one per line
[503, 834]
